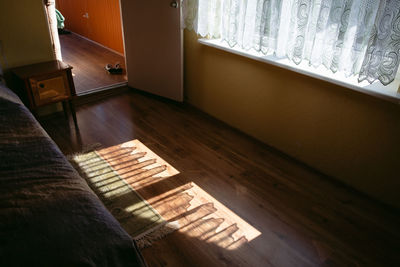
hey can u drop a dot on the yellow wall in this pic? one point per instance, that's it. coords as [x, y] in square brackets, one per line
[350, 136]
[24, 32]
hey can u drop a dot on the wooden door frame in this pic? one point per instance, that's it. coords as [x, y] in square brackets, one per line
[50, 8]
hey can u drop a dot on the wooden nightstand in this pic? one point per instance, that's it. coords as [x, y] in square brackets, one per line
[45, 83]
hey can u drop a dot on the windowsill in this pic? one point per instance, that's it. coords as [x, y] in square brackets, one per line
[376, 89]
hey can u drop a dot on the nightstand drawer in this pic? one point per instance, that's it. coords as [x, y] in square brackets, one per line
[49, 89]
[45, 83]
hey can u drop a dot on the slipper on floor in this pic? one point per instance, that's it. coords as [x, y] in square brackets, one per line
[113, 70]
[108, 67]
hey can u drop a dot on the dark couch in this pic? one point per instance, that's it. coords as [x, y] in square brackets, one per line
[48, 214]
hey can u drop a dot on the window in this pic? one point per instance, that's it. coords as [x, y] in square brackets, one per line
[354, 39]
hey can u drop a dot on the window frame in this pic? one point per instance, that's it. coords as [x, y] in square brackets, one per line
[389, 93]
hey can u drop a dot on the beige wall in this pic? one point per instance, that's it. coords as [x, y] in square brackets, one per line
[350, 136]
[24, 32]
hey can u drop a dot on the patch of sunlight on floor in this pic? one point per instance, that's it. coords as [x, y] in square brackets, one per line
[197, 213]
[137, 164]
[232, 225]
[201, 216]
[170, 171]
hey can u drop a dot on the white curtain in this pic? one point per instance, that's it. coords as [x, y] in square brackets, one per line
[356, 37]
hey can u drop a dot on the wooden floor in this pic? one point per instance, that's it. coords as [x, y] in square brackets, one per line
[238, 202]
[88, 61]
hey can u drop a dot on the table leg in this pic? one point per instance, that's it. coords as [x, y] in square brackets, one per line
[64, 104]
[72, 108]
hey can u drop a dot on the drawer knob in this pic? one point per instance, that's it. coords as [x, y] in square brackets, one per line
[41, 85]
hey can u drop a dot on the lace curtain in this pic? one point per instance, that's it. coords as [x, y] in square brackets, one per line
[355, 37]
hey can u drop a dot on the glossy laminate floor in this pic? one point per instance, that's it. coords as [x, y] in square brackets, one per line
[88, 61]
[238, 202]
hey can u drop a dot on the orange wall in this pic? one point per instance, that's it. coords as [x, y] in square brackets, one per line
[103, 25]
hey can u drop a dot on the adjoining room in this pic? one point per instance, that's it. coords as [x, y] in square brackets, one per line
[90, 34]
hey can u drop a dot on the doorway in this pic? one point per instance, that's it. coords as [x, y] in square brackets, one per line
[151, 43]
[91, 38]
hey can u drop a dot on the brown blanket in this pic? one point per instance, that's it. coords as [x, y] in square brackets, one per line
[48, 214]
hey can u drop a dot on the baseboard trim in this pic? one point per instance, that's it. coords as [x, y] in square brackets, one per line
[102, 88]
[99, 44]
[100, 93]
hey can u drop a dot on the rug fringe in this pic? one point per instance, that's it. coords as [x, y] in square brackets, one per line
[85, 149]
[146, 239]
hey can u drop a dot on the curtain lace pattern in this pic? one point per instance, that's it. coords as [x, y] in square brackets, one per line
[354, 37]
